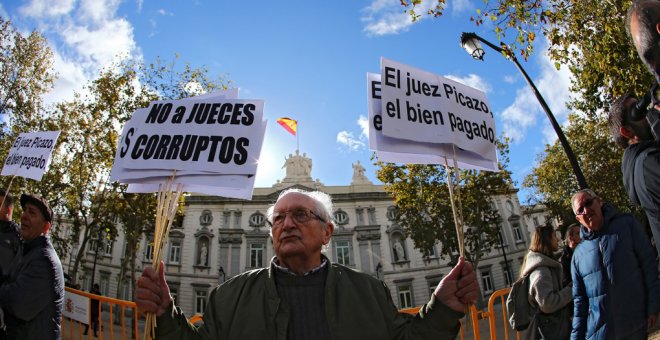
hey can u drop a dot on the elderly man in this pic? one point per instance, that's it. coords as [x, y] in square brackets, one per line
[615, 279]
[304, 296]
[33, 294]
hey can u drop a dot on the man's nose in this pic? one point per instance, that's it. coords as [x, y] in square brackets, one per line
[288, 221]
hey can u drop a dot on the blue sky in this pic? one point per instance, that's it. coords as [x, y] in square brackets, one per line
[307, 60]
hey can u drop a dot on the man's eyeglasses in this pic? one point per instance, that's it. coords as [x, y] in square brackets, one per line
[587, 204]
[298, 215]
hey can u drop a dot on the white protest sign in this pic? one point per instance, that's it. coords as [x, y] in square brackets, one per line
[76, 307]
[124, 175]
[424, 107]
[29, 156]
[215, 180]
[406, 151]
[215, 136]
[241, 193]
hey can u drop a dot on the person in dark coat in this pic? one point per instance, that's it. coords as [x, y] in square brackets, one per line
[641, 160]
[9, 242]
[94, 305]
[616, 289]
[9, 235]
[572, 239]
[33, 294]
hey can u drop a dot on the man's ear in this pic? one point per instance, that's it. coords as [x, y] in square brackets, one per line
[657, 27]
[46, 228]
[627, 133]
[329, 230]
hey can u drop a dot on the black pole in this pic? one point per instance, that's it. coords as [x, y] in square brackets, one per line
[506, 262]
[582, 182]
[96, 255]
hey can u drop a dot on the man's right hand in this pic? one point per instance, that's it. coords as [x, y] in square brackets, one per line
[152, 294]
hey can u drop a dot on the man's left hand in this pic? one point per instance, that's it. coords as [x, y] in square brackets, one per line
[459, 287]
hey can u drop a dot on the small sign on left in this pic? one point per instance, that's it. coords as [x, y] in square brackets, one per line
[30, 154]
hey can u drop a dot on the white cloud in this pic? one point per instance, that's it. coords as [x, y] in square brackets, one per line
[164, 12]
[383, 17]
[379, 5]
[346, 138]
[509, 79]
[100, 45]
[85, 36]
[47, 8]
[71, 77]
[472, 80]
[526, 110]
[363, 122]
[98, 10]
[459, 6]
[520, 115]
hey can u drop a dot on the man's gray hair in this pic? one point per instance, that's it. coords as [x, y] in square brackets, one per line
[322, 204]
[589, 192]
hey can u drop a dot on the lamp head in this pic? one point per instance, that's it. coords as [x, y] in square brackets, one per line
[470, 42]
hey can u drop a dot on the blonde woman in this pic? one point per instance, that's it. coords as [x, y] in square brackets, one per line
[545, 288]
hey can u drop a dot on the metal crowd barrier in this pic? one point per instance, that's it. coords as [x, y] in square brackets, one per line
[118, 311]
[112, 327]
[476, 317]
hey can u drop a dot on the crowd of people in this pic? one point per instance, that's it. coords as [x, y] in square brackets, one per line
[603, 285]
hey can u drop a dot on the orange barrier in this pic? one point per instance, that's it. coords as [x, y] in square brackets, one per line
[475, 315]
[72, 329]
[490, 314]
[195, 319]
[500, 295]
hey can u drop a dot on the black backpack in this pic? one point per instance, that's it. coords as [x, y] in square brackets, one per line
[518, 309]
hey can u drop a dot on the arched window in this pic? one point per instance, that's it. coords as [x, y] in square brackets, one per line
[257, 219]
[341, 217]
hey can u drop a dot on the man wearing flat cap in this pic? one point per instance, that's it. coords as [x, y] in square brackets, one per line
[33, 294]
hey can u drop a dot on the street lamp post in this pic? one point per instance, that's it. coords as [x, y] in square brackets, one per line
[96, 254]
[221, 275]
[470, 42]
[506, 261]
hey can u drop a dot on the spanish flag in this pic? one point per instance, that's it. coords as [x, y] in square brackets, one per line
[289, 125]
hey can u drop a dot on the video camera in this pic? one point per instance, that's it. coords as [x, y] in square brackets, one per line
[645, 108]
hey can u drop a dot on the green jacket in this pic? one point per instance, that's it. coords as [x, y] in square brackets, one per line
[358, 306]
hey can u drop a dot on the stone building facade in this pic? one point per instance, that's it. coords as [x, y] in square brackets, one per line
[222, 237]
